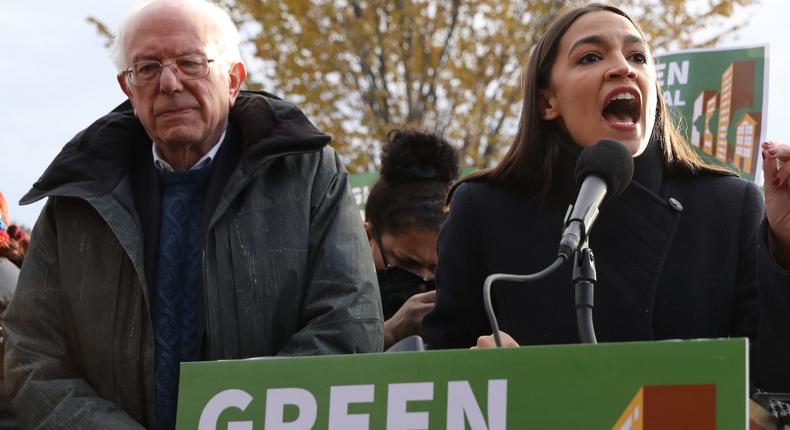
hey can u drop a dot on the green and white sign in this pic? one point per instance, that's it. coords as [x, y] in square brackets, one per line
[641, 385]
[718, 98]
[361, 185]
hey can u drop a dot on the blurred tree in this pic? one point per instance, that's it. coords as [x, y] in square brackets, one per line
[103, 31]
[360, 68]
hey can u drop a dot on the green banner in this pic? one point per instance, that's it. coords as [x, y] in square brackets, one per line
[717, 98]
[361, 184]
[644, 385]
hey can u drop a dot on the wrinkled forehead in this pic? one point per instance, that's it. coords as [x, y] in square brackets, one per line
[172, 27]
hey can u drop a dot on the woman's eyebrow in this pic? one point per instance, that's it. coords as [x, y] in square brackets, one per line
[631, 39]
[405, 258]
[593, 40]
[599, 40]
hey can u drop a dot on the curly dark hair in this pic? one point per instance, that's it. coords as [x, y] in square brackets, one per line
[418, 167]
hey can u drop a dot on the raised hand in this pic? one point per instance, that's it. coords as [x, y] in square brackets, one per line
[776, 168]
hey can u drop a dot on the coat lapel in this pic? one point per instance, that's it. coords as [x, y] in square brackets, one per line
[631, 239]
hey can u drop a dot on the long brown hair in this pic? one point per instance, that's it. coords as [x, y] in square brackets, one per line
[531, 160]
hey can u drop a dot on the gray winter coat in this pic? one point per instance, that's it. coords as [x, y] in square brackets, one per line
[286, 269]
[8, 276]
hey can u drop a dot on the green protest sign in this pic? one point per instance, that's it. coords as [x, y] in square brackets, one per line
[718, 99]
[645, 385]
[361, 184]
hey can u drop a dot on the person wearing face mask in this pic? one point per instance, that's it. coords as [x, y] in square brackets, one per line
[403, 214]
[684, 252]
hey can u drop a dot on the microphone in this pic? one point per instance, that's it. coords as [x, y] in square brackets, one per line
[604, 170]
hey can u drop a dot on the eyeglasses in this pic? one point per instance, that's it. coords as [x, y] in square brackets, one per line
[403, 276]
[186, 67]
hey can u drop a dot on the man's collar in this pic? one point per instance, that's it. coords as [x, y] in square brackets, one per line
[204, 161]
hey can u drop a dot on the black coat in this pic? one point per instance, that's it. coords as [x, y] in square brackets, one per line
[677, 257]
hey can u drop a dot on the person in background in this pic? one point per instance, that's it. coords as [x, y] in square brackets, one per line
[193, 222]
[403, 214]
[684, 252]
[13, 246]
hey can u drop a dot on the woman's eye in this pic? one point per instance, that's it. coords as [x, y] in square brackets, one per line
[639, 57]
[589, 58]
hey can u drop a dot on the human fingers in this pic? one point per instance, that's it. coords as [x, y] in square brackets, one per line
[488, 341]
[485, 342]
[769, 171]
[775, 170]
[419, 313]
[775, 149]
[507, 340]
[426, 297]
[782, 174]
[419, 308]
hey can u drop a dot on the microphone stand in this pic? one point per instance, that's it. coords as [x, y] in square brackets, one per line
[584, 280]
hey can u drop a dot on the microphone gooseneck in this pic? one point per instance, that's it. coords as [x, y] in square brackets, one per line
[489, 282]
[603, 171]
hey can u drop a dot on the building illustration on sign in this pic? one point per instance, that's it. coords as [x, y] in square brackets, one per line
[726, 124]
[656, 407]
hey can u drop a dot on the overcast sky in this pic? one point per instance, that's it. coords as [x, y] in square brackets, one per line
[56, 77]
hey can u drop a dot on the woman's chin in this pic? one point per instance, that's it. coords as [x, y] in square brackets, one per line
[635, 147]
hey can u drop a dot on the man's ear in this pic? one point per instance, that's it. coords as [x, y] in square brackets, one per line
[237, 73]
[547, 105]
[124, 83]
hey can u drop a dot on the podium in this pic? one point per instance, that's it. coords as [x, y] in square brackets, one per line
[698, 384]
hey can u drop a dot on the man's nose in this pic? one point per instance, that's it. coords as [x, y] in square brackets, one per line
[169, 81]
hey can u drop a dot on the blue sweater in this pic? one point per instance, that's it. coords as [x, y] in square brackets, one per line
[177, 310]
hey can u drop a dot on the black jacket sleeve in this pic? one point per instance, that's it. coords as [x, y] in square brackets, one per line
[458, 317]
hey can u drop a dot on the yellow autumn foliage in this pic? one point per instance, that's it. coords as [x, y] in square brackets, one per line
[360, 68]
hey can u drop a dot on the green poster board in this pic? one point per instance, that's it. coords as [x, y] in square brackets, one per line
[601, 386]
[718, 99]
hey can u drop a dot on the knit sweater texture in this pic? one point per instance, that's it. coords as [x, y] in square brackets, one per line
[177, 310]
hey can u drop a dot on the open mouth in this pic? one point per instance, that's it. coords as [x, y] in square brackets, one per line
[622, 108]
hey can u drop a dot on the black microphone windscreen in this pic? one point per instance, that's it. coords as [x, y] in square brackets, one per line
[608, 160]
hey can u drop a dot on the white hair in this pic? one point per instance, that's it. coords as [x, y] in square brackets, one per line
[225, 37]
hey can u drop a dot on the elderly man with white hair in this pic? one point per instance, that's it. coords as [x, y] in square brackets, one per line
[193, 222]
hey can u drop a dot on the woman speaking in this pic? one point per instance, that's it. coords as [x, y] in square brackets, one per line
[683, 252]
